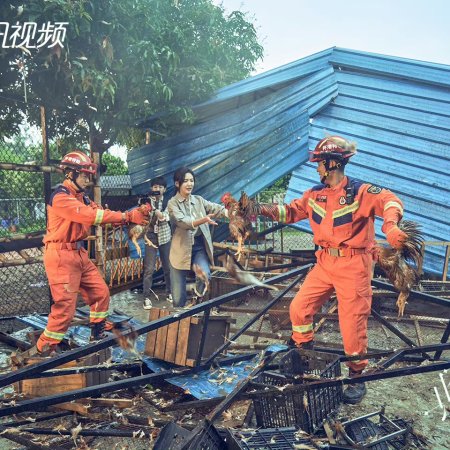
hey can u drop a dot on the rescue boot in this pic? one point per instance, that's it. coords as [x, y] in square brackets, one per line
[354, 392]
[98, 330]
[304, 345]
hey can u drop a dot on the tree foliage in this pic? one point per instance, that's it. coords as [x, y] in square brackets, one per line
[114, 165]
[123, 61]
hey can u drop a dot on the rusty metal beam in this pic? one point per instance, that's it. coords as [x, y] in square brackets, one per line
[416, 294]
[71, 355]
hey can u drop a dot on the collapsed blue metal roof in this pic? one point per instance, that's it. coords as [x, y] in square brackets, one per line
[255, 131]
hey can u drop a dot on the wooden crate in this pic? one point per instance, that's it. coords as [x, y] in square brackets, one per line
[40, 387]
[179, 342]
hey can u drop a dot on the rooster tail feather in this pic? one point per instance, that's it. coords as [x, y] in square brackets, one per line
[412, 248]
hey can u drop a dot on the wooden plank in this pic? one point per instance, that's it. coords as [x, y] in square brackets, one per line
[183, 339]
[151, 336]
[172, 339]
[39, 387]
[75, 407]
[161, 337]
[112, 402]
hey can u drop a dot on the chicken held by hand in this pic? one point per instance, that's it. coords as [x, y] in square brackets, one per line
[240, 225]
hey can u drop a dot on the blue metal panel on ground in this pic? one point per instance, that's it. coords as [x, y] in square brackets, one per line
[254, 131]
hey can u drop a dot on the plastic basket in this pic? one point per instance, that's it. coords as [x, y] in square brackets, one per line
[268, 439]
[304, 406]
[174, 437]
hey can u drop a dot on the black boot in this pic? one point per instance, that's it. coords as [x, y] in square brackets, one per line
[355, 392]
[304, 345]
[98, 330]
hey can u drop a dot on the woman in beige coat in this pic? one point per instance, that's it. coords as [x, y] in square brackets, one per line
[190, 216]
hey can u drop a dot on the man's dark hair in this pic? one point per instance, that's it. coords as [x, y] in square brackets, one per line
[160, 181]
[180, 174]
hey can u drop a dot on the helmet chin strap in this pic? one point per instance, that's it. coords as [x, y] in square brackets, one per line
[329, 169]
[74, 180]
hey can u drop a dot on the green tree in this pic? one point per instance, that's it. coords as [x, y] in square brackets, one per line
[114, 165]
[123, 61]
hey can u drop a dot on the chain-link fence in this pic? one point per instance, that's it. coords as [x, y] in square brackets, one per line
[286, 239]
[23, 282]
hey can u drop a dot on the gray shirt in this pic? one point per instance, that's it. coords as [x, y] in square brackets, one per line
[183, 212]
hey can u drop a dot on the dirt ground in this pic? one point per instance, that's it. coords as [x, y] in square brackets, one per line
[410, 398]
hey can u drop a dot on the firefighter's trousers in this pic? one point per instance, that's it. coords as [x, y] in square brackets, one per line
[70, 271]
[350, 277]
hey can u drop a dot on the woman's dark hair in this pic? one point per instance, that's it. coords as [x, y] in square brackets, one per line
[160, 181]
[179, 176]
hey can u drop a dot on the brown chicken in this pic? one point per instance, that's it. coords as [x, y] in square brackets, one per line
[240, 224]
[136, 232]
[397, 266]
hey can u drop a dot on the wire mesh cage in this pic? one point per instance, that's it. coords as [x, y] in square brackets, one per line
[269, 439]
[305, 405]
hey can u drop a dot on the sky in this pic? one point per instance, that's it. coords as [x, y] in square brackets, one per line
[292, 29]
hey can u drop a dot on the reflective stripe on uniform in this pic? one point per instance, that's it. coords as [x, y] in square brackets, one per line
[98, 314]
[302, 328]
[348, 209]
[281, 213]
[316, 208]
[99, 217]
[54, 335]
[393, 204]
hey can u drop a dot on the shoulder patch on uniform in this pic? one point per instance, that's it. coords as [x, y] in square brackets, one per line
[374, 189]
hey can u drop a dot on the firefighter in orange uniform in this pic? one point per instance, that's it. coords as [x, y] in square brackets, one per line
[341, 212]
[70, 215]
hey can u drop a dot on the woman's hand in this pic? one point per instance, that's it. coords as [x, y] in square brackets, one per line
[209, 219]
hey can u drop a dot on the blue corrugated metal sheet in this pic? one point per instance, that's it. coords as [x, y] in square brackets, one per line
[254, 131]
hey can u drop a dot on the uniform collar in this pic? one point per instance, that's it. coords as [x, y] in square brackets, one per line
[69, 185]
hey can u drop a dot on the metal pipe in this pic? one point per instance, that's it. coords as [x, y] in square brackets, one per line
[71, 355]
[416, 294]
[43, 402]
[253, 319]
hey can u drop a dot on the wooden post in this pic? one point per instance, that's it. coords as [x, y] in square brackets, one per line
[96, 157]
[447, 256]
[45, 159]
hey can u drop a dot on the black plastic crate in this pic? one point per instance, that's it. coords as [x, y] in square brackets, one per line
[265, 439]
[174, 437]
[303, 405]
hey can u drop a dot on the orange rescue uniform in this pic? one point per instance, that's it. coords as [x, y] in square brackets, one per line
[344, 264]
[70, 216]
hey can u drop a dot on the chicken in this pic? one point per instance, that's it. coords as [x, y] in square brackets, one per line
[395, 262]
[240, 224]
[201, 275]
[136, 232]
[246, 278]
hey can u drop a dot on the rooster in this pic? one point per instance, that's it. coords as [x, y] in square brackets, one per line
[395, 262]
[136, 232]
[240, 224]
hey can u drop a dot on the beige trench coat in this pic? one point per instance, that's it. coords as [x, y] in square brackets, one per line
[182, 213]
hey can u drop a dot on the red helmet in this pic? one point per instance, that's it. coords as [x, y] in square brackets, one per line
[78, 161]
[333, 147]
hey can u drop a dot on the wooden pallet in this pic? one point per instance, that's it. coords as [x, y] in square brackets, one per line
[179, 342]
